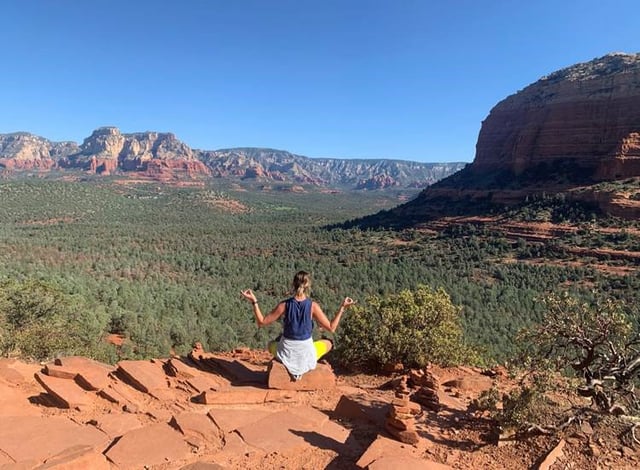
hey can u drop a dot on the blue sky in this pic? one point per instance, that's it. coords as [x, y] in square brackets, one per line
[402, 79]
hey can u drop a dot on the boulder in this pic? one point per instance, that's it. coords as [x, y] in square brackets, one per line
[320, 378]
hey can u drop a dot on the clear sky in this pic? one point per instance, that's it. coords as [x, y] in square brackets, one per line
[409, 79]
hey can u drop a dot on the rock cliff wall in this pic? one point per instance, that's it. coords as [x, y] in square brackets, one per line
[162, 156]
[24, 151]
[588, 114]
[107, 150]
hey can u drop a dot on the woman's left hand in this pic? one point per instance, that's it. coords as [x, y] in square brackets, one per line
[249, 295]
[348, 302]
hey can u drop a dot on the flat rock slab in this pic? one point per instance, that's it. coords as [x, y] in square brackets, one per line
[246, 396]
[116, 424]
[447, 401]
[90, 374]
[14, 401]
[202, 383]
[17, 372]
[183, 367]
[39, 438]
[284, 430]
[414, 463]
[320, 378]
[77, 458]
[146, 376]
[363, 408]
[122, 394]
[235, 396]
[202, 466]
[237, 371]
[229, 420]
[66, 393]
[152, 445]
[385, 447]
[198, 429]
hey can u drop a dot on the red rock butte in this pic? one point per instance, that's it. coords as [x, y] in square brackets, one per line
[587, 114]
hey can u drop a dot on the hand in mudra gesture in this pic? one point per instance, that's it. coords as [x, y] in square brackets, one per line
[348, 302]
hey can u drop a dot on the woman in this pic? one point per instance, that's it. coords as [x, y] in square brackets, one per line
[295, 347]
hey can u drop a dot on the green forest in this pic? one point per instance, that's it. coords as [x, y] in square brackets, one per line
[164, 265]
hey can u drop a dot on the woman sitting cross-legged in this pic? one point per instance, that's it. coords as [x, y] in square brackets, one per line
[295, 347]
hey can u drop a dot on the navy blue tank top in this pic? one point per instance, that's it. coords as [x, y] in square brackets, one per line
[298, 324]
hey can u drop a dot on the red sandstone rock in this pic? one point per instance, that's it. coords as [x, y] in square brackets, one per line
[202, 383]
[229, 420]
[202, 466]
[385, 447]
[26, 438]
[240, 372]
[180, 368]
[90, 374]
[146, 376]
[156, 444]
[552, 456]
[406, 436]
[360, 407]
[587, 113]
[80, 457]
[282, 396]
[119, 393]
[53, 370]
[236, 396]
[321, 378]
[116, 424]
[66, 393]
[234, 446]
[17, 373]
[14, 401]
[285, 430]
[198, 429]
[414, 463]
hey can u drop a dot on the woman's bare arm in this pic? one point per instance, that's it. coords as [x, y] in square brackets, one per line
[323, 321]
[262, 320]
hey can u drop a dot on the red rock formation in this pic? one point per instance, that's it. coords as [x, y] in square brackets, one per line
[588, 114]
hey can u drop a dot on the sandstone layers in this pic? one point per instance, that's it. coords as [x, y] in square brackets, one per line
[587, 114]
[161, 156]
[574, 128]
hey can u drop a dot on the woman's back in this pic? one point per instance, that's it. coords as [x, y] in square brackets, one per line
[298, 324]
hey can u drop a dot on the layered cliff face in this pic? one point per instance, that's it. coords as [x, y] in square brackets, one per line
[571, 132]
[162, 156]
[279, 165]
[586, 115]
[107, 150]
[24, 151]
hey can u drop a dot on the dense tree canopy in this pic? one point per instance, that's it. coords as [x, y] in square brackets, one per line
[164, 265]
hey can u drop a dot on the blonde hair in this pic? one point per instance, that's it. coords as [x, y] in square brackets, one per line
[301, 283]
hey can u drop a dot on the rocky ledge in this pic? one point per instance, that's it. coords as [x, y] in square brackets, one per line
[240, 410]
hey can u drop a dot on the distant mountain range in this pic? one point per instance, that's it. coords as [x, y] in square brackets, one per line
[161, 156]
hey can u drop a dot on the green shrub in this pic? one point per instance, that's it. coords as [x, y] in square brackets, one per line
[39, 321]
[411, 327]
